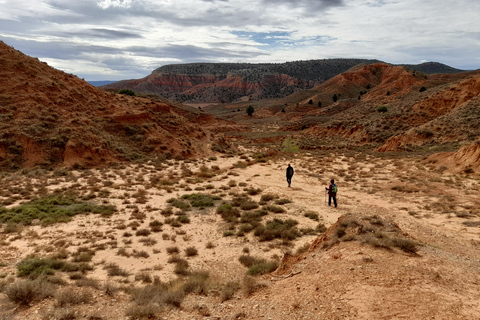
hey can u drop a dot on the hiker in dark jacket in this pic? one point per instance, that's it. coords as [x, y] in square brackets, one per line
[289, 174]
[332, 193]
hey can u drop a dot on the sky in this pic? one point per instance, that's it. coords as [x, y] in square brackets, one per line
[128, 39]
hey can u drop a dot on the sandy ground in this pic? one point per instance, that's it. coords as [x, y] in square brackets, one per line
[348, 281]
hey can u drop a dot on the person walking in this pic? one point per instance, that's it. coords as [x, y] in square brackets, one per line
[289, 174]
[332, 193]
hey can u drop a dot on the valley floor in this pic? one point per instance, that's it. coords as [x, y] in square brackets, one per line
[159, 234]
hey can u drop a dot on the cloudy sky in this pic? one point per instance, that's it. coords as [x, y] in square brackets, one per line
[125, 39]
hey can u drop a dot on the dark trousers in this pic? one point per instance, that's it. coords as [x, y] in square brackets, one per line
[334, 197]
[289, 180]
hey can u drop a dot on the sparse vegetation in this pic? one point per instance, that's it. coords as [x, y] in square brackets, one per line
[51, 209]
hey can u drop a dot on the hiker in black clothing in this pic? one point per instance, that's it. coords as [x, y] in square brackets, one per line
[332, 193]
[289, 174]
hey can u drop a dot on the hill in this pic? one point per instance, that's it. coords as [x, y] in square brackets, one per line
[52, 118]
[384, 106]
[229, 82]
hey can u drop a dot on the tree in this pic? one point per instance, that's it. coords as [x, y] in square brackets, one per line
[310, 101]
[127, 92]
[335, 98]
[319, 104]
[250, 110]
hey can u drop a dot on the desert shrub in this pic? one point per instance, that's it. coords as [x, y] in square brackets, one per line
[253, 216]
[249, 285]
[145, 311]
[197, 282]
[172, 250]
[172, 297]
[148, 241]
[191, 251]
[50, 209]
[422, 89]
[267, 197]
[274, 209]
[277, 228]
[228, 213]
[115, 270]
[257, 266]
[33, 267]
[83, 255]
[177, 203]
[144, 277]
[140, 254]
[181, 267]
[382, 109]
[228, 290]
[70, 296]
[405, 245]
[321, 228]
[127, 92]
[87, 282]
[312, 215]
[283, 201]
[249, 205]
[288, 145]
[27, 291]
[210, 245]
[155, 226]
[65, 313]
[166, 212]
[248, 260]
[11, 227]
[252, 191]
[183, 219]
[142, 232]
[262, 268]
[228, 233]
[199, 200]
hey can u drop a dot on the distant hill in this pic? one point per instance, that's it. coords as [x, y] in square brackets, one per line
[100, 83]
[230, 82]
[432, 68]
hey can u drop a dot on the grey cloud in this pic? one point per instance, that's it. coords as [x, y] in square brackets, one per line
[101, 34]
[307, 4]
[191, 53]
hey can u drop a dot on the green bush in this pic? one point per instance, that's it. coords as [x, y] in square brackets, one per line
[262, 268]
[201, 200]
[51, 209]
[382, 109]
[277, 229]
[34, 267]
[228, 213]
[127, 92]
[257, 266]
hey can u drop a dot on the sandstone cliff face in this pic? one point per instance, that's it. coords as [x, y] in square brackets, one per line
[50, 118]
[214, 88]
[466, 159]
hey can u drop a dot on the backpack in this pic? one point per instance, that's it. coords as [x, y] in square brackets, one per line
[334, 188]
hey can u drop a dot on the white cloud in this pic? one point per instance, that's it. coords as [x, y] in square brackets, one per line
[149, 33]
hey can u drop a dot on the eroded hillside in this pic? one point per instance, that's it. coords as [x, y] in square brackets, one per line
[49, 118]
